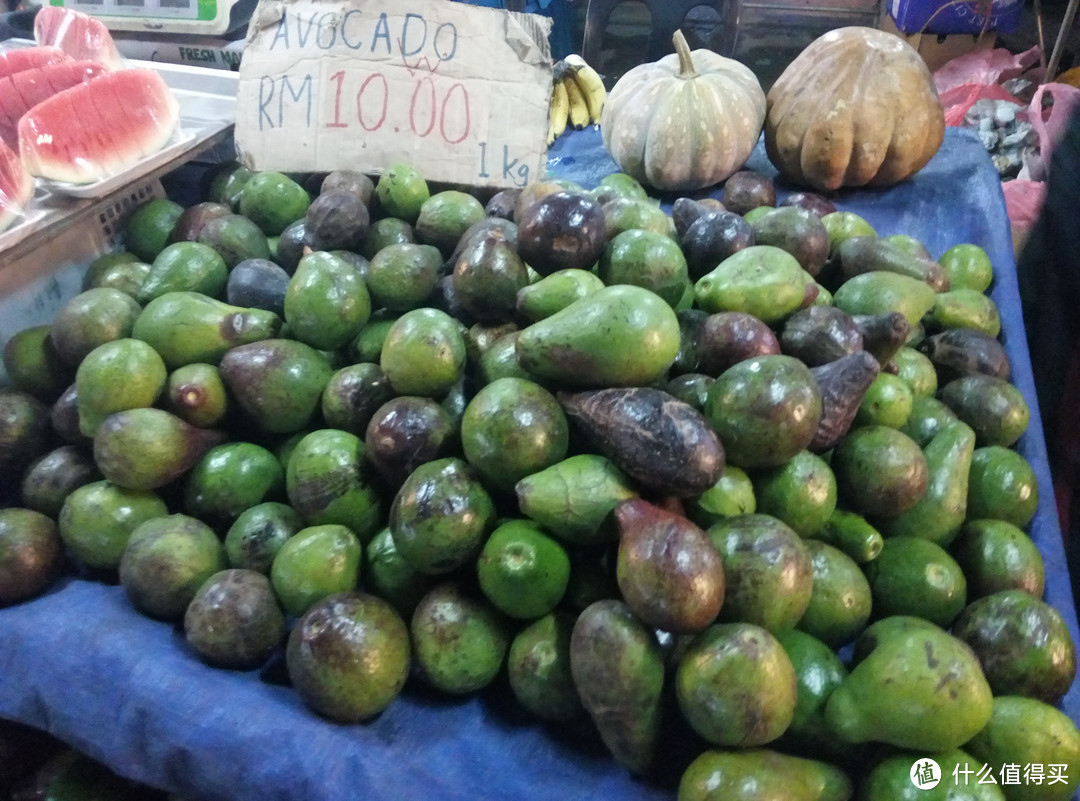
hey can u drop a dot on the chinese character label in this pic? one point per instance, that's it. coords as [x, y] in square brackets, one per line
[1010, 773]
[964, 772]
[986, 775]
[1056, 774]
[925, 774]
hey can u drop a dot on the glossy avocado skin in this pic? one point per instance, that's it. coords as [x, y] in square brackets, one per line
[755, 774]
[618, 669]
[348, 656]
[1022, 643]
[912, 685]
[277, 382]
[186, 327]
[618, 336]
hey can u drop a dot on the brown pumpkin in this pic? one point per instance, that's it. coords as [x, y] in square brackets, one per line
[857, 107]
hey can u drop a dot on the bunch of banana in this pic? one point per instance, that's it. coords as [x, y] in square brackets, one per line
[577, 98]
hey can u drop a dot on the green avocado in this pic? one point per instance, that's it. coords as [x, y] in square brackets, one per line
[736, 685]
[185, 267]
[879, 292]
[765, 409]
[441, 516]
[326, 302]
[230, 478]
[938, 515]
[761, 280]
[424, 353]
[278, 382]
[166, 560]
[758, 774]
[31, 554]
[957, 772]
[116, 376]
[618, 669]
[348, 656]
[646, 259]
[187, 327]
[618, 336]
[555, 292]
[917, 687]
[1028, 732]
[328, 480]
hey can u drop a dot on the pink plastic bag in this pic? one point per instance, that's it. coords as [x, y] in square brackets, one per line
[979, 75]
[986, 68]
[1023, 201]
[1049, 123]
[959, 99]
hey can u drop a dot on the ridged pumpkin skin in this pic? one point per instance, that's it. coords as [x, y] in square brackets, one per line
[684, 122]
[857, 107]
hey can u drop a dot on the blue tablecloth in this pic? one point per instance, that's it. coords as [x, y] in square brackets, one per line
[80, 663]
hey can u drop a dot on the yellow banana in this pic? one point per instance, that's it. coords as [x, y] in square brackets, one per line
[590, 83]
[579, 109]
[558, 111]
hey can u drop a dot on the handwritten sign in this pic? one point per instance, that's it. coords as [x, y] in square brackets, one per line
[460, 92]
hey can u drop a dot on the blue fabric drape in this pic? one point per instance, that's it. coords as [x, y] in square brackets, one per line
[81, 663]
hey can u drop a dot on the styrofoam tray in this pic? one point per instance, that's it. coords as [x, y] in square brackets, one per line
[207, 99]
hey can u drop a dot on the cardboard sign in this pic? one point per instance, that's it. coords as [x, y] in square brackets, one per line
[459, 92]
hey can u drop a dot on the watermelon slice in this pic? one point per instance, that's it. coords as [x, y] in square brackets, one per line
[30, 58]
[81, 36]
[22, 91]
[96, 129]
[16, 187]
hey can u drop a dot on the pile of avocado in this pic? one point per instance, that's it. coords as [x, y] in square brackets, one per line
[738, 477]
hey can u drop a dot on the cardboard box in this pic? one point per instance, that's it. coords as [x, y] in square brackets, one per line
[937, 49]
[955, 16]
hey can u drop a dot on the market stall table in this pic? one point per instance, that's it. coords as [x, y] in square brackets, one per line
[80, 663]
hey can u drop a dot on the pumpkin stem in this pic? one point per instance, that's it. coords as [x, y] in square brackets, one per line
[686, 64]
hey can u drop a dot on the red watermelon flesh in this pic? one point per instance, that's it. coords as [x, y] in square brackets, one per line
[143, 117]
[29, 58]
[16, 187]
[96, 129]
[87, 144]
[22, 91]
[100, 136]
[81, 36]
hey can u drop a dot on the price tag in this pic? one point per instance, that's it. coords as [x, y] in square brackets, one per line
[460, 92]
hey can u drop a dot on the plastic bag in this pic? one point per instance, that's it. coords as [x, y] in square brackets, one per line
[979, 75]
[1023, 202]
[986, 68]
[16, 187]
[1024, 197]
[135, 116]
[959, 99]
[1049, 124]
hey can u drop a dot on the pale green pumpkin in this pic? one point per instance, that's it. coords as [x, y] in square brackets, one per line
[684, 122]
